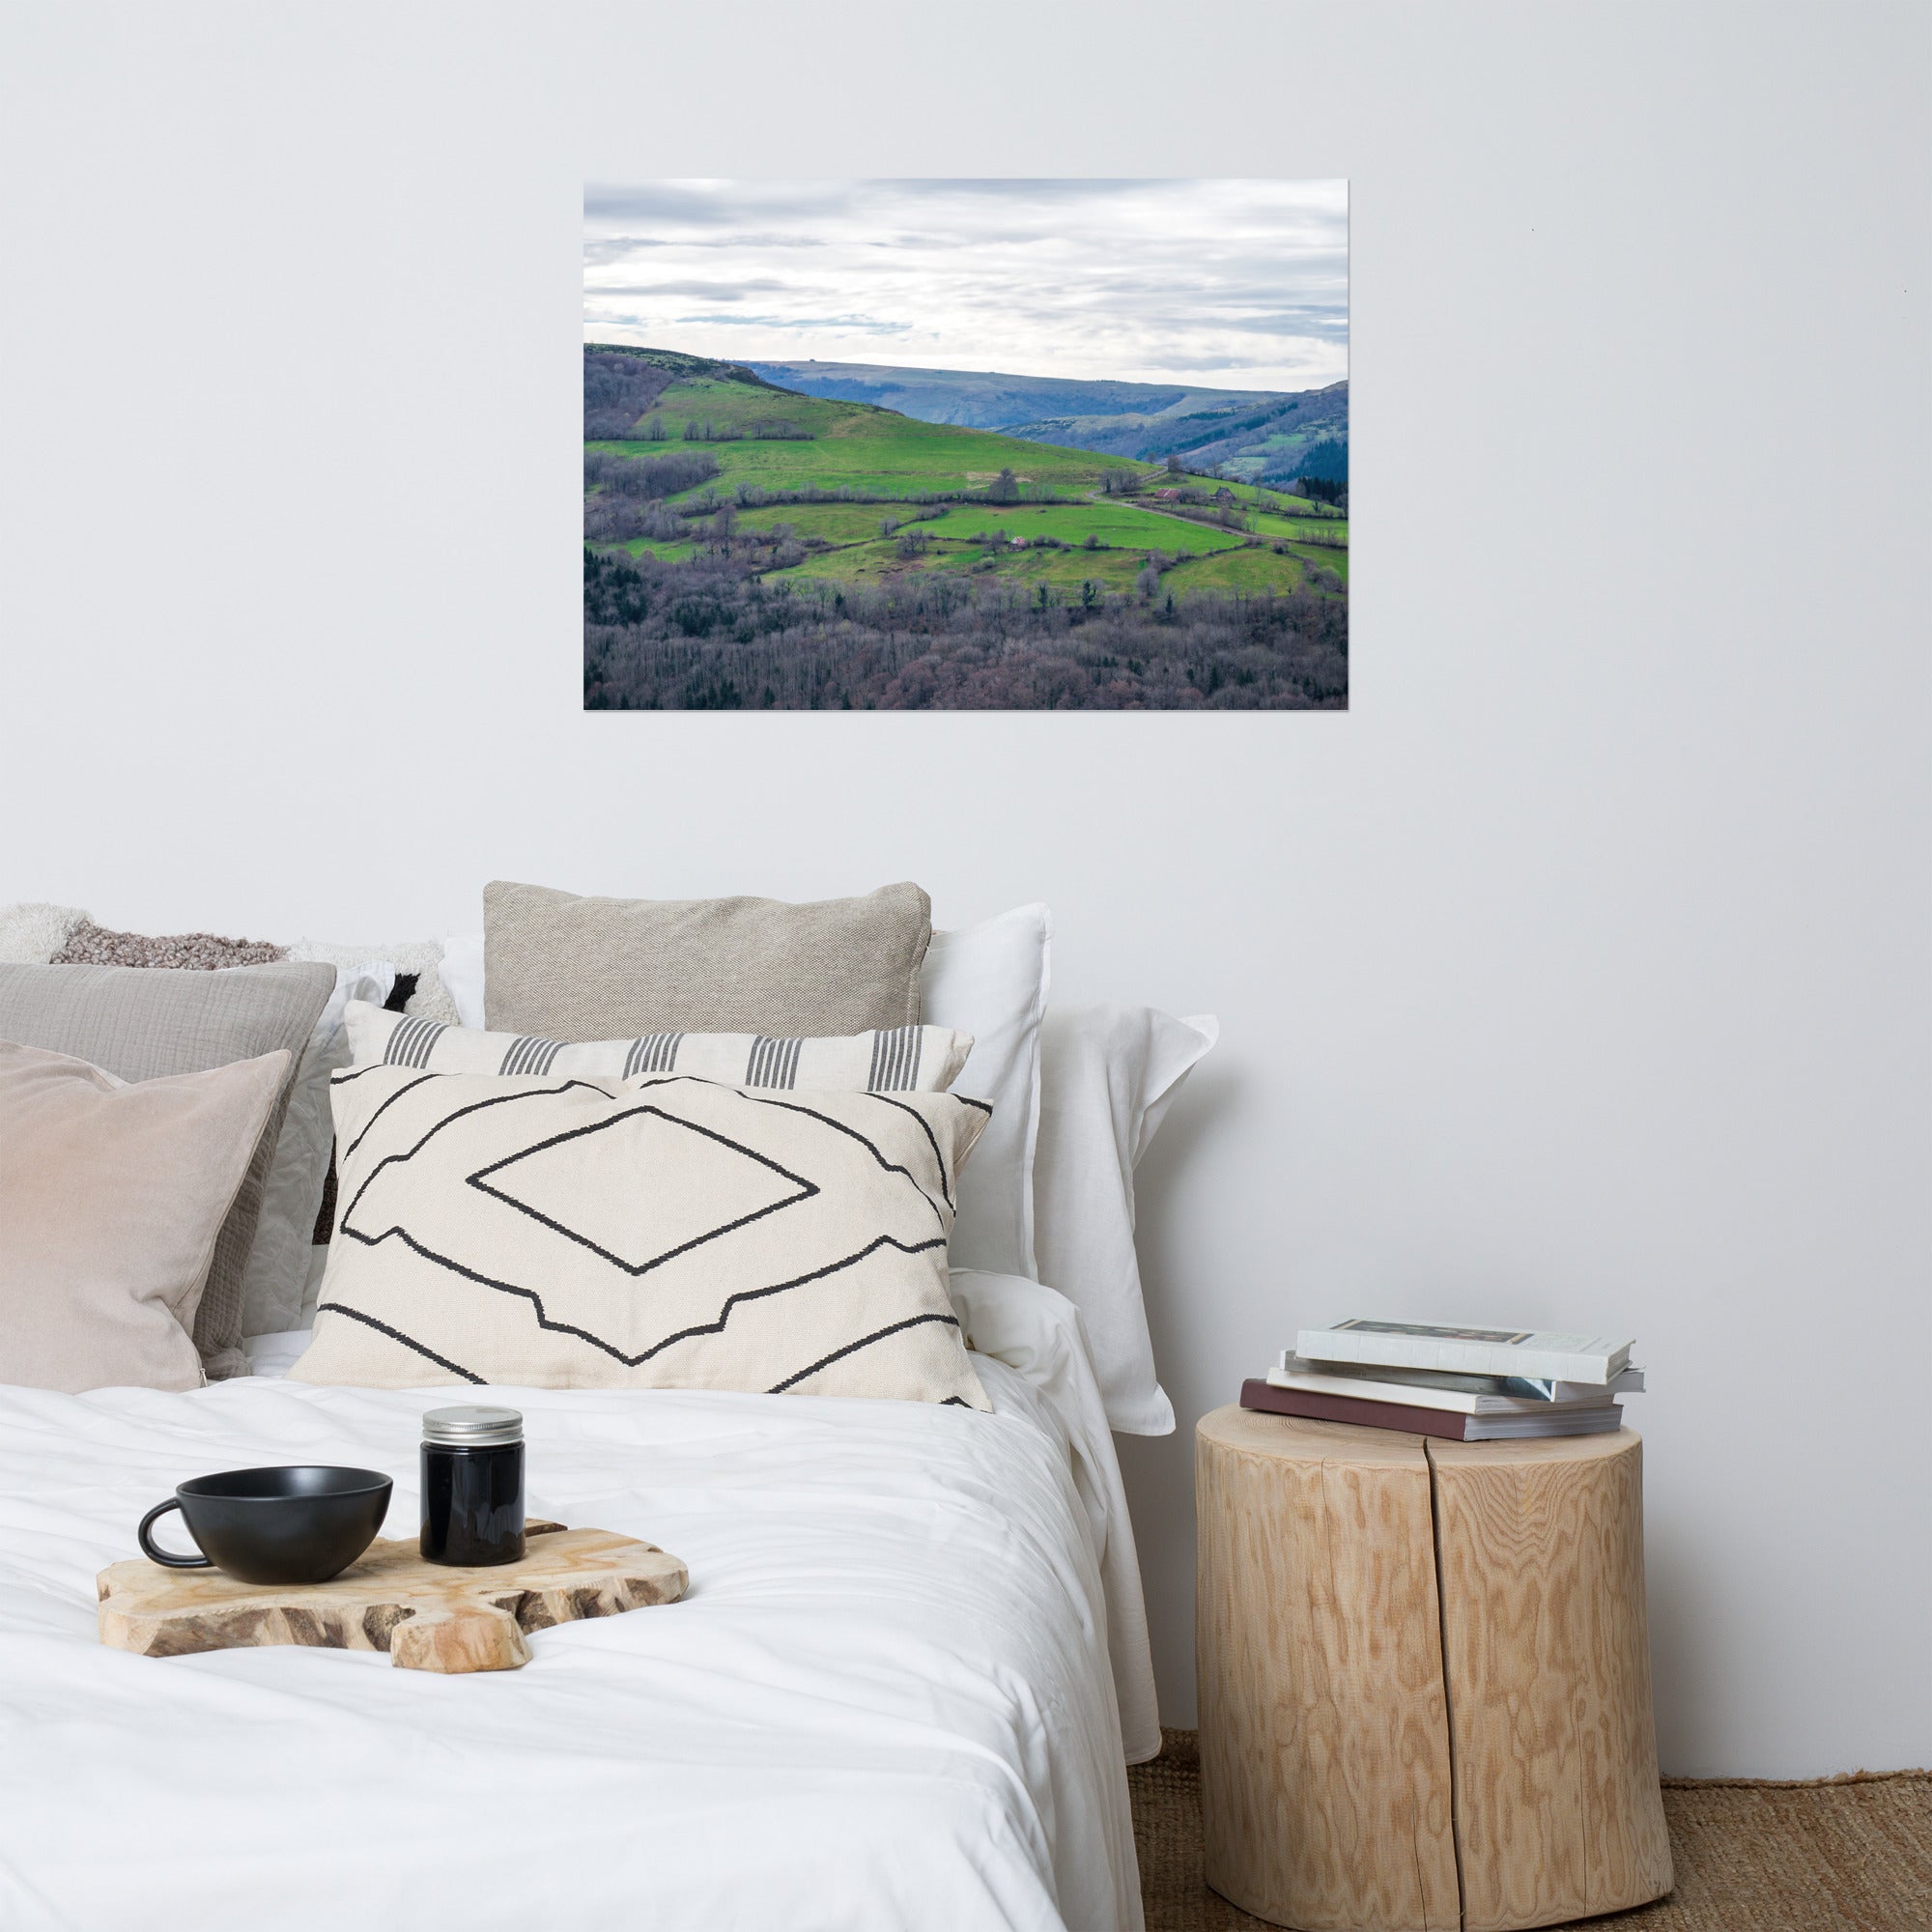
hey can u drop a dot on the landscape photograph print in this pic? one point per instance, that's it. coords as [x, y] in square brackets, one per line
[1002, 445]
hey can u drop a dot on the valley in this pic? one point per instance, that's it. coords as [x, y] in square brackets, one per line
[804, 511]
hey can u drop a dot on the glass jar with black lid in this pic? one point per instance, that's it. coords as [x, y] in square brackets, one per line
[472, 1486]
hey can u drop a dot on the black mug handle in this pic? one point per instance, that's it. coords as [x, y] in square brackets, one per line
[154, 1551]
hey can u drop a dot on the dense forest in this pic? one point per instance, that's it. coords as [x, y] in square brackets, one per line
[712, 636]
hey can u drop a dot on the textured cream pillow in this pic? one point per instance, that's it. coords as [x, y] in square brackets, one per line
[111, 1196]
[655, 1233]
[571, 968]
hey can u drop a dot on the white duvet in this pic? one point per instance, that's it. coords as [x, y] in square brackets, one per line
[887, 1700]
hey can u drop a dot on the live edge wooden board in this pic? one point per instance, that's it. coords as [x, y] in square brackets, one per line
[426, 1615]
[1425, 1678]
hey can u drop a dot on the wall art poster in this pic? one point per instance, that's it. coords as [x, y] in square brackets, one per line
[1029, 445]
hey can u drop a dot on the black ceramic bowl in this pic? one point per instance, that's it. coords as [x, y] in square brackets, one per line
[302, 1525]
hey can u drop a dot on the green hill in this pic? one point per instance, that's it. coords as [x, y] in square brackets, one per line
[805, 484]
[1258, 436]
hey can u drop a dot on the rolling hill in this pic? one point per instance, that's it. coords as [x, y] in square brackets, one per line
[1256, 435]
[702, 472]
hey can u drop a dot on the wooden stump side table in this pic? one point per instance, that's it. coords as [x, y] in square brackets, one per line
[1425, 1677]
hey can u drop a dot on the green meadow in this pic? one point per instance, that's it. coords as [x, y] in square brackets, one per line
[1109, 521]
[1301, 530]
[1252, 569]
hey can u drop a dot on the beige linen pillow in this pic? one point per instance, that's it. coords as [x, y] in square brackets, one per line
[570, 968]
[112, 1195]
[655, 1233]
[141, 1025]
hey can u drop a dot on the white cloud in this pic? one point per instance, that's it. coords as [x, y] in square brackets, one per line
[1239, 283]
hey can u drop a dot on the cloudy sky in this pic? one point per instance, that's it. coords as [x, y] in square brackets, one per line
[1238, 283]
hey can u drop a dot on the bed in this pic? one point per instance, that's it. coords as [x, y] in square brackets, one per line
[912, 1664]
[900, 1693]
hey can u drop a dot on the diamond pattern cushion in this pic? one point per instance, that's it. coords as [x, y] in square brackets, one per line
[661, 1232]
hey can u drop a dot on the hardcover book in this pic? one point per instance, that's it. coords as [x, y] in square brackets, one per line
[1466, 1350]
[1584, 1419]
[1460, 1395]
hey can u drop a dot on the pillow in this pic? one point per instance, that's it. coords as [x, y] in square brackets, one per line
[569, 968]
[52, 935]
[420, 959]
[276, 1264]
[31, 934]
[278, 1258]
[91, 945]
[990, 981]
[657, 1233]
[112, 1195]
[460, 971]
[1108, 1076]
[908, 1058]
[140, 1025]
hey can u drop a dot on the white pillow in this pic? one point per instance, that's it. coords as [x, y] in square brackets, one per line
[461, 974]
[421, 957]
[278, 1265]
[991, 980]
[32, 933]
[1109, 1075]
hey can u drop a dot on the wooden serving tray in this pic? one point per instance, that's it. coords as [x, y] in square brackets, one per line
[428, 1616]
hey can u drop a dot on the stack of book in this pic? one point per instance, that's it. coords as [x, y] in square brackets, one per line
[1468, 1384]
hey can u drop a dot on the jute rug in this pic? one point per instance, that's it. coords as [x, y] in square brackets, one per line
[1849, 1854]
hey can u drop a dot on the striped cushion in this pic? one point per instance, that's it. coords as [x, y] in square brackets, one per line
[897, 1060]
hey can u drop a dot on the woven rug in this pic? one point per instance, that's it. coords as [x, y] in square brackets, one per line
[1844, 1855]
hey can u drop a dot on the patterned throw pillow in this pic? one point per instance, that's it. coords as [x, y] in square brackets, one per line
[913, 1058]
[655, 1233]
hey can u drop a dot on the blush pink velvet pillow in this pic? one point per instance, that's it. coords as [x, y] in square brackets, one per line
[111, 1196]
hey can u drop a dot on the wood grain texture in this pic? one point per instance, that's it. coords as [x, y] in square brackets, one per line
[426, 1615]
[1546, 1654]
[1326, 1798]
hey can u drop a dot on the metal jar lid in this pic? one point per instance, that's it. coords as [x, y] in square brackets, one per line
[472, 1428]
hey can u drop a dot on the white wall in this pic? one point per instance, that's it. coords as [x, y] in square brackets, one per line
[1578, 973]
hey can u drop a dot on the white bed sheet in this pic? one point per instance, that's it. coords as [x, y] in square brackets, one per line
[887, 1701]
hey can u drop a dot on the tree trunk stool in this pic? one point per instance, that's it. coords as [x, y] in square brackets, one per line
[1425, 1677]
